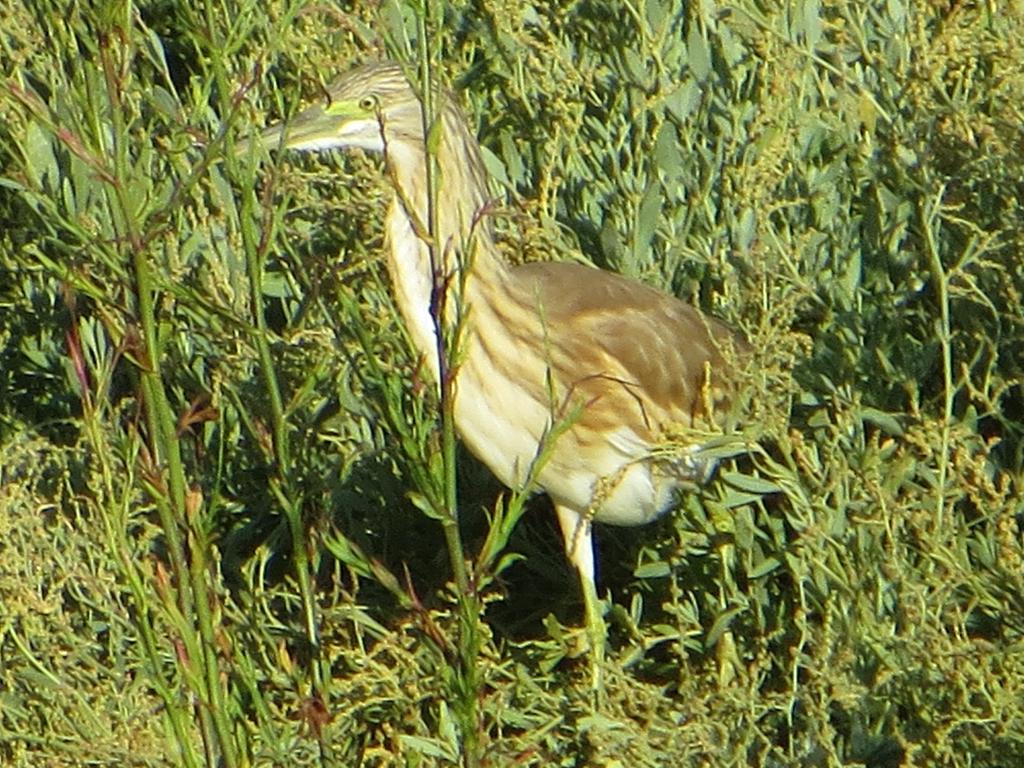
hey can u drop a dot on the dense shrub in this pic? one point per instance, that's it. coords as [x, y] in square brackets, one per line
[214, 439]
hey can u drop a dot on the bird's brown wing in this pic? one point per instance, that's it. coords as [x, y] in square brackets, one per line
[628, 334]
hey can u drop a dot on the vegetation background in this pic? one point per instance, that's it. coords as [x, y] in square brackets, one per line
[214, 443]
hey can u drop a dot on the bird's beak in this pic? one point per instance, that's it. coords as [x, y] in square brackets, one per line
[314, 128]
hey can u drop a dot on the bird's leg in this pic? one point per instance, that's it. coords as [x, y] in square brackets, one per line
[579, 547]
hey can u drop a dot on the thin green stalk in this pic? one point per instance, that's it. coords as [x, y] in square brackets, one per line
[930, 221]
[165, 448]
[444, 335]
[467, 676]
[118, 544]
[289, 499]
[193, 588]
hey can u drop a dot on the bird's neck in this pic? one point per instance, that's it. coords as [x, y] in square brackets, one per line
[457, 257]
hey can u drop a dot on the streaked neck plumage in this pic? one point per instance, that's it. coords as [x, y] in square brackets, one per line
[464, 251]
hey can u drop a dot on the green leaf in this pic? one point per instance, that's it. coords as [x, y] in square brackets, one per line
[750, 483]
[735, 499]
[657, 570]
[506, 560]
[40, 161]
[637, 67]
[667, 154]
[683, 101]
[513, 161]
[811, 22]
[884, 421]
[422, 503]
[428, 747]
[656, 14]
[494, 166]
[720, 626]
[435, 135]
[647, 219]
[763, 568]
[164, 102]
[746, 228]
[699, 55]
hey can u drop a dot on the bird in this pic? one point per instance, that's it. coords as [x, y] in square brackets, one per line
[601, 365]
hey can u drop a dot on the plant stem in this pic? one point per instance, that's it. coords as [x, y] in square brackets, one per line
[930, 215]
[194, 592]
[446, 278]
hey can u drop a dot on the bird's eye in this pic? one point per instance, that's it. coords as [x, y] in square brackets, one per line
[368, 103]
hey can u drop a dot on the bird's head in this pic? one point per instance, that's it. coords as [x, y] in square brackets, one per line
[367, 108]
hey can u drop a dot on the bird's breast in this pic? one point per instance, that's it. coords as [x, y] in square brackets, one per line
[529, 426]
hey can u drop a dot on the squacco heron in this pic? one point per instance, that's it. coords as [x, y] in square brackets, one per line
[616, 363]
